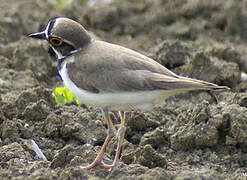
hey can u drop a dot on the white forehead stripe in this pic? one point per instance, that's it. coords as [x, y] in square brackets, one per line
[46, 30]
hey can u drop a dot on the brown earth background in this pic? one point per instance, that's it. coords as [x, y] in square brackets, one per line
[197, 135]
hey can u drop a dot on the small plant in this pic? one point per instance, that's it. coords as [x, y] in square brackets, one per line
[62, 95]
[60, 4]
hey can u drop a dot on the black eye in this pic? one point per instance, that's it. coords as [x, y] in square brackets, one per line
[55, 41]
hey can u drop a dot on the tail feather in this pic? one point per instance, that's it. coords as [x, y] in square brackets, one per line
[195, 84]
[147, 80]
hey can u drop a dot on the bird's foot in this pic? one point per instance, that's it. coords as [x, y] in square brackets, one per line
[101, 163]
[110, 167]
[92, 165]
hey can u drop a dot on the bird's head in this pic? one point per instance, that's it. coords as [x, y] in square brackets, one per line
[64, 35]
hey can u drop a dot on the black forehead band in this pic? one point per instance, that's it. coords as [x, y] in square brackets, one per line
[50, 26]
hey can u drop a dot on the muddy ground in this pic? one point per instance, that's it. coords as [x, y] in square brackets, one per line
[197, 135]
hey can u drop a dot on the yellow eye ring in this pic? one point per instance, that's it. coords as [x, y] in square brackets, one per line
[55, 41]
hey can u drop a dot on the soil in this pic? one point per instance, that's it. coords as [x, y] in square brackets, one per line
[195, 135]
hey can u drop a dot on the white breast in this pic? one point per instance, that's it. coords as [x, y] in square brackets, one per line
[142, 100]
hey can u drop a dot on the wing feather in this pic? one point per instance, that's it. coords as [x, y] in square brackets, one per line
[105, 67]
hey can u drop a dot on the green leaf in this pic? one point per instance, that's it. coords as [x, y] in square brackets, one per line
[59, 98]
[68, 95]
[63, 95]
[59, 90]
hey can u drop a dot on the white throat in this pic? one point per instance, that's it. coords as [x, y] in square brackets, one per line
[58, 54]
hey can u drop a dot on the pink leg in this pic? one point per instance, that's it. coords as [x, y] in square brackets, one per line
[120, 135]
[111, 129]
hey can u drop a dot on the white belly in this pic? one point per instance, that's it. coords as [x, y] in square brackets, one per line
[142, 100]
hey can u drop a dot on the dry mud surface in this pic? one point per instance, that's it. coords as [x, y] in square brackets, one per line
[197, 135]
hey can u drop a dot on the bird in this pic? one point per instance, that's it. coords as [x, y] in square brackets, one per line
[111, 77]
